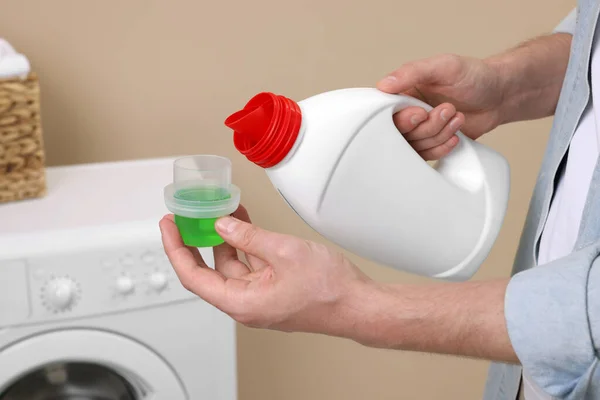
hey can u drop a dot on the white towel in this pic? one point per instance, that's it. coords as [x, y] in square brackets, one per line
[12, 64]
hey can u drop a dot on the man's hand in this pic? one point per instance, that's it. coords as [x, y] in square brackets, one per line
[294, 285]
[465, 92]
[287, 284]
[474, 95]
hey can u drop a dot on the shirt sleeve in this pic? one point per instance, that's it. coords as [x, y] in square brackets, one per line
[553, 319]
[567, 25]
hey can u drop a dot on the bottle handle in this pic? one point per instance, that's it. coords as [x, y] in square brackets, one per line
[461, 165]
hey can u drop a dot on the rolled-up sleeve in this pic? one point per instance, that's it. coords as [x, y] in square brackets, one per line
[553, 319]
[567, 25]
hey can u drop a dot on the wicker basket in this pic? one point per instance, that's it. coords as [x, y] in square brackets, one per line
[22, 157]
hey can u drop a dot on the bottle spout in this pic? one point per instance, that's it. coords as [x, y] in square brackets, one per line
[266, 129]
[252, 121]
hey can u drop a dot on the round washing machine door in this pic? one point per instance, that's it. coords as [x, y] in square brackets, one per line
[85, 365]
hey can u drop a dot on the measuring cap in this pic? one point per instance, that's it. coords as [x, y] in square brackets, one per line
[266, 129]
[201, 193]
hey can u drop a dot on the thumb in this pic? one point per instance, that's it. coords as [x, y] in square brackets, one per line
[248, 238]
[428, 71]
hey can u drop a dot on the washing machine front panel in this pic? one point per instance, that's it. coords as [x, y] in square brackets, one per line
[90, 283]
[112, 365]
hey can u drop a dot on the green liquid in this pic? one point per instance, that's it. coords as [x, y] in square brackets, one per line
[200, 232]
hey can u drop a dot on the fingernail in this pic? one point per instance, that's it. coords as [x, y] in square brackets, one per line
[455, 123]
[445, 114]
[227, 224]
[389, 80]
[453, 141]
[416, 119]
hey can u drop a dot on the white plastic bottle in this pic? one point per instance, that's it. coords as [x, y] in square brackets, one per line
[340, 163]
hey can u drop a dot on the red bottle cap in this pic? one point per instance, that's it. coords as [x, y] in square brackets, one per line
[266, 129]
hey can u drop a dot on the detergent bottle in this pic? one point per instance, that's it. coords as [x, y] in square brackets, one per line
[341, 164]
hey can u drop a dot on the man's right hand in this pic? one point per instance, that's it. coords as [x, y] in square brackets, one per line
[475, 96]
[466, 94]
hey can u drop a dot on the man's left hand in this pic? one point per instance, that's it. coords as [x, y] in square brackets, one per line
[287, 283]
[294, 285]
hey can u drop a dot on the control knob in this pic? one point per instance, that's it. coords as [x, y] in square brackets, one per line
[60, 294]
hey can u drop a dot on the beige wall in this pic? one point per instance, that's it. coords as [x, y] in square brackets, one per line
[145, 78]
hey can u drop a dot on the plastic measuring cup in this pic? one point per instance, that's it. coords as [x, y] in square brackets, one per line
[201, 192]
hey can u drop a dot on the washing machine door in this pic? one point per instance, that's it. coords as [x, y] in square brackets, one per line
[70, 381]
[85, 365]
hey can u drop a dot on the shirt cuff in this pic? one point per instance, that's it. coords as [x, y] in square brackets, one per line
[553, 319]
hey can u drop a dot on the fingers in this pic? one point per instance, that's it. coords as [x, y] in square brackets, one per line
[436, 69]
[226, 258]
[409, 118]
[242, 214]
[255, 263]
[249, 238]
[436, 135]
[407, 77]
[438, 118]
[194, 250]
[440, 151]
[228, 263]
[197, 278]
[441, 136]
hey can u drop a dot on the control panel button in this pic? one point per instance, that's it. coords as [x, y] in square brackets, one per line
[60, 293]
[125, 285]
[158, 281]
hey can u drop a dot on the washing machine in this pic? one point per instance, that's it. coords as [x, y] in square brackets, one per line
[90, 307]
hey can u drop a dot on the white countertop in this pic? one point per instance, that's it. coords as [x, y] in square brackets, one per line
[122, 198]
